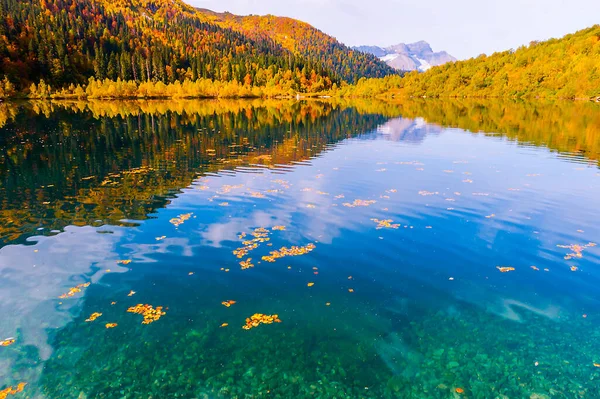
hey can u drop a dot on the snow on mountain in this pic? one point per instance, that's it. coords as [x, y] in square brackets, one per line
[409, 57]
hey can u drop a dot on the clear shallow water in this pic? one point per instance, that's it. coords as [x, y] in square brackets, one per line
[417, 310]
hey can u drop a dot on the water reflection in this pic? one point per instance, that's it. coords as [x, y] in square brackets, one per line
[410, 222]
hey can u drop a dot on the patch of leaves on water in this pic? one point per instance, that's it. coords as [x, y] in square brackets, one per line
[12, 391]
[180, 219]
[150, 313]
[74, 290]
[292, 251]
[387, 224]
[258, 318]
[576, 249]
[359, 202]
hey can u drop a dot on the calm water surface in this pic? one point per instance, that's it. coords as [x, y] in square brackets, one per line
[432, 249]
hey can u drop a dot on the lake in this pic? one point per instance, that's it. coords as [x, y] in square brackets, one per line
[305, 249]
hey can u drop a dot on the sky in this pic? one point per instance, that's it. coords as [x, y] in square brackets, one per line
[464, 28]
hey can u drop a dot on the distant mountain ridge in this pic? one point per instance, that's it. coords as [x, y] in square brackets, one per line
[417, 56]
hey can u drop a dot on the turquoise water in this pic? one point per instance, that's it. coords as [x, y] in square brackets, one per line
[400, 297]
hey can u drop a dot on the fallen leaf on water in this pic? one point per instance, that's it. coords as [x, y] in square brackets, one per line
[160, 238]
[535, 268]
[228, 303]
[179, 220]
[459, 390]
[93, 316]
[224, 324]
[327, 303]
[574, 268]
[190, 273]
[111, 325]
[124, 262]
[280, 228]
[350, 289]
[505, 269]
[131, 293]
[310, 284]
[7, 341]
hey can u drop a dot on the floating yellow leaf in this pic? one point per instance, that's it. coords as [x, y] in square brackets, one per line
[131, 293]
[310, 284]
[124, 261]
[7, 342]
[224, 324]
[505, 269]
[574, 268]
[179, 220]
[93, 316]
[111, 325]
[227, 303]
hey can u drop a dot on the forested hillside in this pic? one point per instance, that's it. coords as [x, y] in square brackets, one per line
[307, 41]
[568, 67]
[65, 42]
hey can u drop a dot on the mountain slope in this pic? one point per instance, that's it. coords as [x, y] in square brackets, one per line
[568, 67]
[409, 57]
[305, 40]
[67, 41]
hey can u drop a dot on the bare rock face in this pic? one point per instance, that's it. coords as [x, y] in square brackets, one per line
[409, 57]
